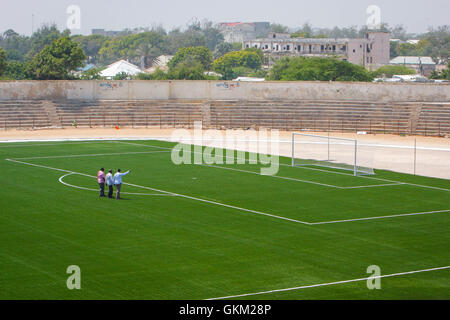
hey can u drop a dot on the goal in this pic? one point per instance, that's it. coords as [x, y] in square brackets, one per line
[330, 152]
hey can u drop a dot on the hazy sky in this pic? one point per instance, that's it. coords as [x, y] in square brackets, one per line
[415, 15]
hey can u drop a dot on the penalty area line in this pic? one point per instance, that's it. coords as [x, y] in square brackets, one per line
[171, 193]
[329, 283]
[381, 217]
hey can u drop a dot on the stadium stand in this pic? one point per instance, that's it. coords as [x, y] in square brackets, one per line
[431, 119]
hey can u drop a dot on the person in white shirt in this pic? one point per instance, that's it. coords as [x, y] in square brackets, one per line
[110, 183]
[118, 181]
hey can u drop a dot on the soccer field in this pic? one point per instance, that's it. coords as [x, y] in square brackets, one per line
[221, 231]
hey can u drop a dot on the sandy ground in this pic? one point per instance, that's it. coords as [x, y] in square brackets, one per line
[390, 152]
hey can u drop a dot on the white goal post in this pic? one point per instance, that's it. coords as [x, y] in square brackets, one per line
[330, 152]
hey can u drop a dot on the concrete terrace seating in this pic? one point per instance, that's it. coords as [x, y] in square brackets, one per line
[111, 113]
[23, 115]
[305, 115]
[434, 119]
[341, 116]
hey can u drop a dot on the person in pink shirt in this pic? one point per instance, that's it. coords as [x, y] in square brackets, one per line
[101, 181]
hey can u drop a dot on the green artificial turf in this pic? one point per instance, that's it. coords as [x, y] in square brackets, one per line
[188, 246]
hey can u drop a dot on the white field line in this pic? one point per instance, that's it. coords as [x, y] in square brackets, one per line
[45, 144]
[166, 138]
[375, 185]
[368, 177]
[381, 217]
[305, 181]
[279, 177]
[171, 193]
[89, 155]
[97, 190]
[372, 178]
[218, 203]
[330, 283]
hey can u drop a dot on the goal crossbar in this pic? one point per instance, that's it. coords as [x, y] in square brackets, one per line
[326, 151]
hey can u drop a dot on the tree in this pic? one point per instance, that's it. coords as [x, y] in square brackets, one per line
[237, 63]
[192, 55]
[406, 49]
[43, 37]
[57, 60]
[444, 74]
[91, 45]
[221, 49]
[389, 71]
[121, 76]
[2, 61]
[147, 55]
[187, 70]
[17, 70]
[91, 74]
[321, 69]
[279, 28]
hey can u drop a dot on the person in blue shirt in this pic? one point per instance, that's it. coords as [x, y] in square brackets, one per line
[118, 181]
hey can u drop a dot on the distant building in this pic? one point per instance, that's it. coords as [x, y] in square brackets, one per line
[103, 32]
[372, 51]
[242, 31]
[423, 65]
[118, 67]
[159, 63]
[413, 41]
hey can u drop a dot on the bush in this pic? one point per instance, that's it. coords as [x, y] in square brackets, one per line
[389, 71]
[317, 69]
[237, 63]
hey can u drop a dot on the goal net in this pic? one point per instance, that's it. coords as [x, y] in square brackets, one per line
[330, 152]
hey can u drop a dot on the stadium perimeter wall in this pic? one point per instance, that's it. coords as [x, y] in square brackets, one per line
[223, 90]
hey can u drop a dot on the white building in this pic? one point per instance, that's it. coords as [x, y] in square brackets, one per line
[119, 67]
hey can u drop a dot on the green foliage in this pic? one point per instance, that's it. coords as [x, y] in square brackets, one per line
[43, 37]
[91, 46]
[321, 69]
[221, 49]
[192, 55]
[143, 76]
[158, 74]
[389, 71]
[187, 70]
[57, 60]
[2, 60]
[134, 47]
[237, 63]
[435, 43]
[91, 74]
[279, 28]
[406, 49]
[259, 52]
[17, 70]
[121, 76]
[443, 75]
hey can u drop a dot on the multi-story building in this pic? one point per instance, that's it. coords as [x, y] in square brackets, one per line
[372, 51]
[243, 31]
